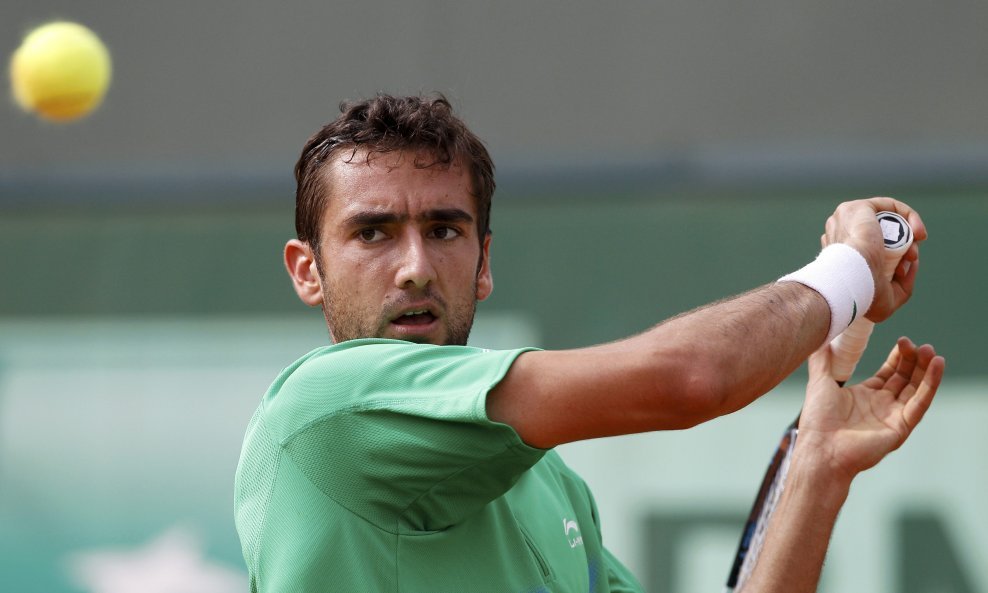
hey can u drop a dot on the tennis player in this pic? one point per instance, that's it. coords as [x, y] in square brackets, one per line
[399, 459]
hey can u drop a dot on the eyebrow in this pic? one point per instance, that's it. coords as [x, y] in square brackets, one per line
[372, 218]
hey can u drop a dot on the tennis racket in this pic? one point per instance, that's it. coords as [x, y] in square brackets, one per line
[847, 349]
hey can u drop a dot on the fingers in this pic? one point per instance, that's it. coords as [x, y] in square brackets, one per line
[904, 280]
[897, 372]
[904, 368]
[847, 211]
[924, 355]
[907, 212]
[909, 373]
[912, 376]
[887, 370]
[919, 403]
[905, 265]
[911, 254]
[850, 215]
[919, 228]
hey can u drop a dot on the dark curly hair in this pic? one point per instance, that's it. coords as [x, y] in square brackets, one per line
[386, 124]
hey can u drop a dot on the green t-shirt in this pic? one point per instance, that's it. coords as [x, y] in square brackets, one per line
[371, 466]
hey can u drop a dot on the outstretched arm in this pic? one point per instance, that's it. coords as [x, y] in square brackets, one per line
[842, 432]
[683, 372]
[697, 366]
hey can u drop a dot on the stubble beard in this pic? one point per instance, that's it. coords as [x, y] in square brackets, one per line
[345, 323]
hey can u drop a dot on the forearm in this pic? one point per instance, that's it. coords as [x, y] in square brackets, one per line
[742, 347]
[796, 543]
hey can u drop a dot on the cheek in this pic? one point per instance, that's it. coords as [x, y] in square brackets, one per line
[360, 275]
[466, 272]
[345, 260]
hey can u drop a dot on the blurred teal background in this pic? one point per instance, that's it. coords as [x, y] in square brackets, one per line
[651, 158]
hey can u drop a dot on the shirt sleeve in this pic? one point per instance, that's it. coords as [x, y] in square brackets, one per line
[398, 432]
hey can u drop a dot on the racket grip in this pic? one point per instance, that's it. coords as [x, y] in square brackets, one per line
[851, 343]
[848, 347]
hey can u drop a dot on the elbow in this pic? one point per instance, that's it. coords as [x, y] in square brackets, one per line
[707, 397]
[700, 394]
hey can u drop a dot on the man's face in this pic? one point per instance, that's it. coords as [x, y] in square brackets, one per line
[399, 253]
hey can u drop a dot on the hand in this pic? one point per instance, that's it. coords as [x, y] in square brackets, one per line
[854, 223]
[850, 429]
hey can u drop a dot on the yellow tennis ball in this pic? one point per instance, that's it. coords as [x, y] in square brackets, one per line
[61, 71]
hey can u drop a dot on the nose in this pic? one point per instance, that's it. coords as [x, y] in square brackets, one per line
[415, 267]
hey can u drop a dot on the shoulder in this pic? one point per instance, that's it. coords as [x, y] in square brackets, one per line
[379, 374]
[369, 366]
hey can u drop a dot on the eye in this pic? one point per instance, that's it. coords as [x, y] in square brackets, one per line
[370, 235]
[445, 233]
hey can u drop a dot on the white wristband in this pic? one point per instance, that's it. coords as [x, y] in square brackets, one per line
[842, 276]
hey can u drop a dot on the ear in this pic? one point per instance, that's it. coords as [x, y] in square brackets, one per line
[301, 265]
[485, 282]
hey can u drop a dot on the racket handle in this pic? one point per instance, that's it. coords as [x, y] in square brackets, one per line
[848, 347]
[851, 343]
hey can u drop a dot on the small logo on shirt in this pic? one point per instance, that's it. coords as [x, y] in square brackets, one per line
[572, 530]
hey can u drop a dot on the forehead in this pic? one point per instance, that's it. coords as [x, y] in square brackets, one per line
[395, 182]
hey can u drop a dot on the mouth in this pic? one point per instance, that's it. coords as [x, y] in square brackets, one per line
[418, 318]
